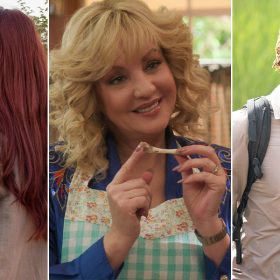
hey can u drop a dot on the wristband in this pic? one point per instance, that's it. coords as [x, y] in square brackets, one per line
[214, 238]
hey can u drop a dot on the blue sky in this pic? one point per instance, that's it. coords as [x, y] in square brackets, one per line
[33, 4]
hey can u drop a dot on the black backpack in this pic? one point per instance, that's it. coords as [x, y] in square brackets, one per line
[259, 120]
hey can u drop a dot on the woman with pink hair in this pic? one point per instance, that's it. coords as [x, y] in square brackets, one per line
[23, 149]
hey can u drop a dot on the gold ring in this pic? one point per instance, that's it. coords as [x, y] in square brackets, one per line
[215, 170]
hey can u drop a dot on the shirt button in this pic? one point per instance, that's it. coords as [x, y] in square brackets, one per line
[224, 277]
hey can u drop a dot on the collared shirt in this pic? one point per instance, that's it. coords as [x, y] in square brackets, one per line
[94, 260]
[261, 228]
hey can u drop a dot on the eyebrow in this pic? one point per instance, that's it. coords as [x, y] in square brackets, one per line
[144, 58]
[149, 52]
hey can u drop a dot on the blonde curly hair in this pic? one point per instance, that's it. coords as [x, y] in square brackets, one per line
[89, 48]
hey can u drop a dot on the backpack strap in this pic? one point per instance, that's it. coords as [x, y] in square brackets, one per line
[259, 120]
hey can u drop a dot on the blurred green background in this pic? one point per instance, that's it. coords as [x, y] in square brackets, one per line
[211, 36]
[255, 30]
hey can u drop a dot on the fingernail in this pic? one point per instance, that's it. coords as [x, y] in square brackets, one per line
[179, 152]
[183, 148]
[138, 148]
[176, 167]
[180, 181]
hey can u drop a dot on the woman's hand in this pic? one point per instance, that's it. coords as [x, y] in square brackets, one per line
[202, 191]
[129, 199]
[202, 194]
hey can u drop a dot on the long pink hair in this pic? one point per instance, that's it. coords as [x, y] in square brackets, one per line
[23, 115]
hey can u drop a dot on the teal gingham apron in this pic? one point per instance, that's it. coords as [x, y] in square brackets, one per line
[166, 248]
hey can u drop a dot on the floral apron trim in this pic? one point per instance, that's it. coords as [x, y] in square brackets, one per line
[166, 248]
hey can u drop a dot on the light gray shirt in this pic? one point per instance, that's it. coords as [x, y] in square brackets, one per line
[261, 228]
[20, 258]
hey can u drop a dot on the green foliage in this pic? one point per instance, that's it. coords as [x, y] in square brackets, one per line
[41, 21]
[255, 30]
[212, 36]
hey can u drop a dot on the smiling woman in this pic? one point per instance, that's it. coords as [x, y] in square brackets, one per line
[125, 74]
[138, 94]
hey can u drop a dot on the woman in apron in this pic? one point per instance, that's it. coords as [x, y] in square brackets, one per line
[124, 77]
